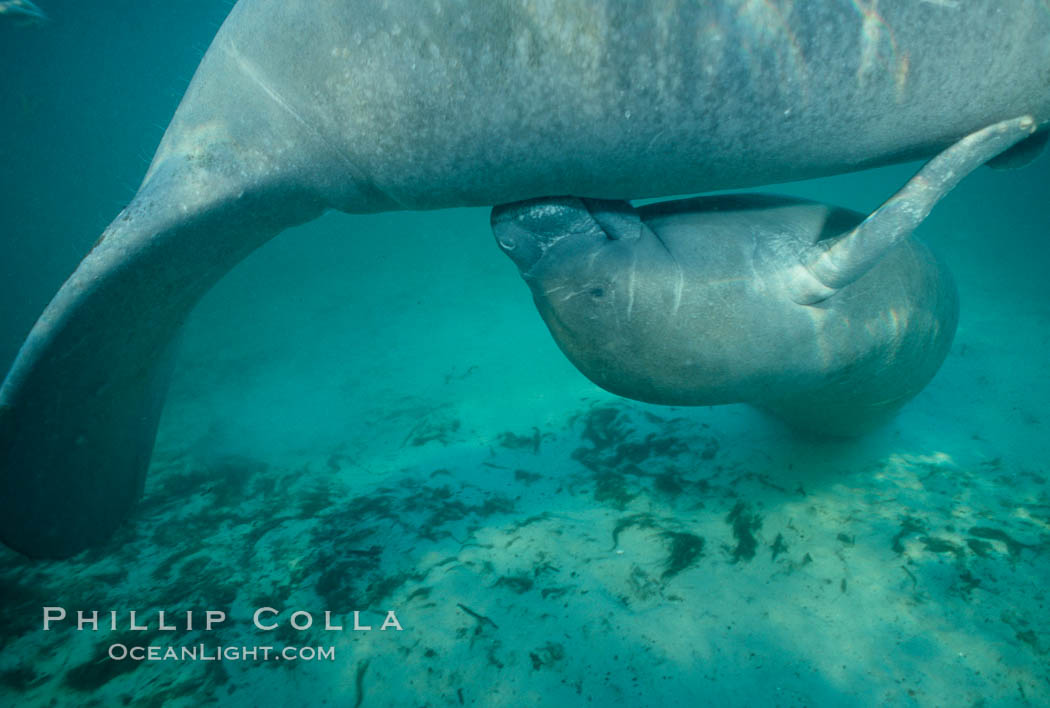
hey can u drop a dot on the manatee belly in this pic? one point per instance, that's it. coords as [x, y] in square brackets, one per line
[696, 316]
[880, 342]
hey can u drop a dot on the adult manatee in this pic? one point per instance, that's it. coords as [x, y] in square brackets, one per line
[827, 318]
[305, 105]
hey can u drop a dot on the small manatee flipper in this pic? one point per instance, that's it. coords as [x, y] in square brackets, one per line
[1021, 154]
[831, 264]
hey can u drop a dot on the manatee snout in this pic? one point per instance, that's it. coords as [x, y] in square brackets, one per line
[528, 230]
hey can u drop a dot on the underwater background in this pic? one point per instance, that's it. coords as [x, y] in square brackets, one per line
[368, 414]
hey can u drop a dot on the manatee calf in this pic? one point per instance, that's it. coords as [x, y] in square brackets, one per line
[305, 105]
[825, 318]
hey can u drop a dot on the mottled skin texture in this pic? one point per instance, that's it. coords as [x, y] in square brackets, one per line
[453, 103]
[300, 106]
[697, 310]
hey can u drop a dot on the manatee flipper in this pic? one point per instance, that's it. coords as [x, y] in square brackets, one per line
[830, 265]
[80, 406]
[1021, 154]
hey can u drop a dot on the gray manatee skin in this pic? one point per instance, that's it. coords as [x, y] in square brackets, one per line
[305, 105]
[697, 308]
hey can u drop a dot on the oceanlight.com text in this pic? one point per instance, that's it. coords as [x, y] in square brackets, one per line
[203, 652]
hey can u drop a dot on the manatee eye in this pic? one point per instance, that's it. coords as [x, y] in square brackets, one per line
[597, 292]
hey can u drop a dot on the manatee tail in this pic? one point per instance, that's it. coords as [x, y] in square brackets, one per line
[830, 265]
[80, 406]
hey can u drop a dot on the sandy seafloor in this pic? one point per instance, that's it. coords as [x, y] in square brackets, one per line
[369, 415]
